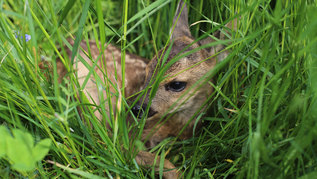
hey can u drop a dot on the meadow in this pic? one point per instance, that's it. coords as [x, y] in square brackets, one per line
[262, 116]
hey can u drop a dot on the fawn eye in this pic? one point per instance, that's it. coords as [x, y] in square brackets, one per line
[175, 86]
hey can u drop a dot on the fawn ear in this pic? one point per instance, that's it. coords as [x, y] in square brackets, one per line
[223, 34]
[180, 22]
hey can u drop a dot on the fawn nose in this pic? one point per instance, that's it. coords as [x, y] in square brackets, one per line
[139, 110]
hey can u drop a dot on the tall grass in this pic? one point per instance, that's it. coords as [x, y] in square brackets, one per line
[262, 120]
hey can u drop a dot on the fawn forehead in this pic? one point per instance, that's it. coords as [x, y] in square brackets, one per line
[180, 45]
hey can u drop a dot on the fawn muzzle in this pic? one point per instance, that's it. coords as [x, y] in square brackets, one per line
[139, 110]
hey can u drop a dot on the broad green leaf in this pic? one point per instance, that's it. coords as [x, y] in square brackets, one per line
[23, 137]
[4, 135]
[24, 167]
[20, 151]
[41, 149]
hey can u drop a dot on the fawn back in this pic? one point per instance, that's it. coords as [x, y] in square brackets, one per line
[107, 70]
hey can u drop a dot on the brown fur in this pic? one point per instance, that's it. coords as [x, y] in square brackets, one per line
[134, 68]
[174, 110]
[189, 69]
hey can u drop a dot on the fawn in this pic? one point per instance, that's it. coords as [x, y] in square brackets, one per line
[183, 91]
[178, 97]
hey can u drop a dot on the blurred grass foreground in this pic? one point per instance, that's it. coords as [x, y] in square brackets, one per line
[263, 114]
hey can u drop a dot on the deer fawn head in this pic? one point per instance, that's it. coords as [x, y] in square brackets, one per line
[183, 88]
